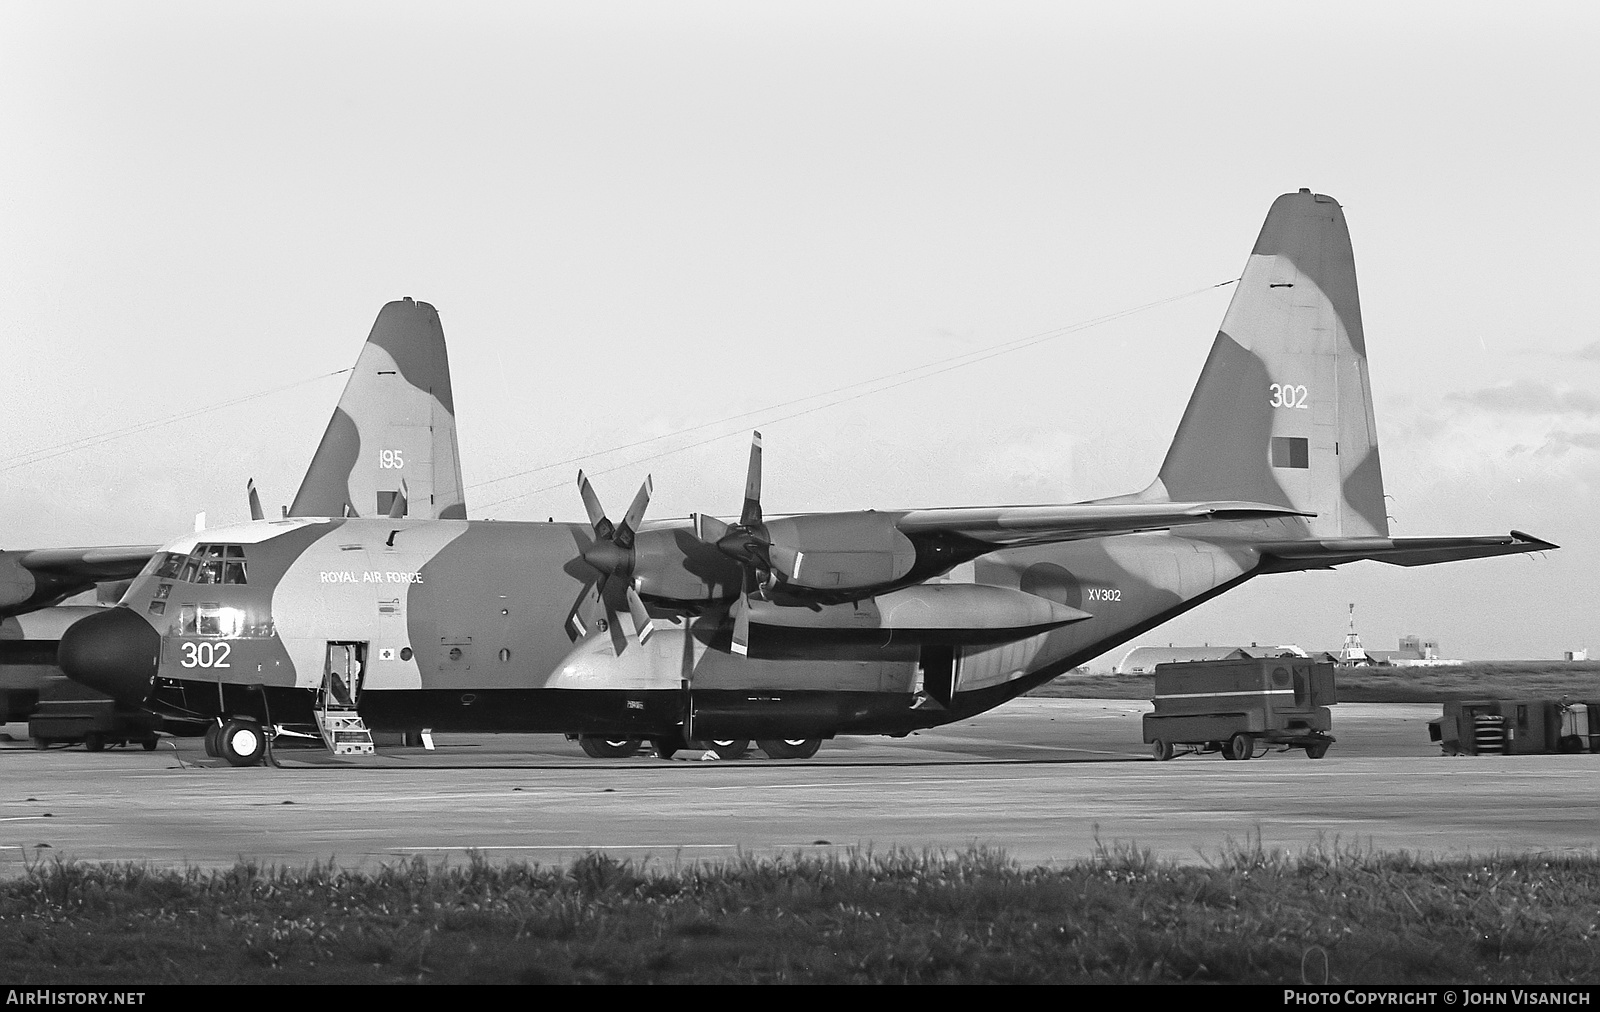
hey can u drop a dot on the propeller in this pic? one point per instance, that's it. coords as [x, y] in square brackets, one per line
[746, 542]
[402, 498]
[611, 554]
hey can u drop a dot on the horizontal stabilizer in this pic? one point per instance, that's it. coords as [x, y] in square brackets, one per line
[1326, 553]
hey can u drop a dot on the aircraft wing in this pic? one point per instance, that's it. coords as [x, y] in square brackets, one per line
[35, 579]
[121, 562]
[1034, 525]
[1325, 553]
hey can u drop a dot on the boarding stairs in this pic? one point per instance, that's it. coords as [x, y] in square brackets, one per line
[343, 730]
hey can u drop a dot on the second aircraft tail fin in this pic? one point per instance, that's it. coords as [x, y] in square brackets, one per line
[395, 421]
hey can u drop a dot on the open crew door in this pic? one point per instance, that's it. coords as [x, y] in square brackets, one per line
[940, 668]
[340, 723]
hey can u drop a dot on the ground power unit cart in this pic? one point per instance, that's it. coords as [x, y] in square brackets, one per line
[1241, 707]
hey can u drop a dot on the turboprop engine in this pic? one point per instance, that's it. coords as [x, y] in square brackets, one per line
[811, 565]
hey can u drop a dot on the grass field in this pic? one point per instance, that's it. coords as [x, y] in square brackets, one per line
[1473, 680]
[1326, 916]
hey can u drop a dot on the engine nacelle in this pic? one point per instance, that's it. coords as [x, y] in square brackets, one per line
[840, 551]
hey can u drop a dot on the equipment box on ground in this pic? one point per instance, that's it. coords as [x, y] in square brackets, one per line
[1242, 707]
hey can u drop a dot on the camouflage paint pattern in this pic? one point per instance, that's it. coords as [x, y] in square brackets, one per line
[395, 420]
[464, 623]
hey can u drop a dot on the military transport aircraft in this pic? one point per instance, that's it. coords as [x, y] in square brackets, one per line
[398, 400]
[787, 629]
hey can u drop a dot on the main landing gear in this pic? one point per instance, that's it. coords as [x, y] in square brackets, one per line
[790, 748]
[599, 746]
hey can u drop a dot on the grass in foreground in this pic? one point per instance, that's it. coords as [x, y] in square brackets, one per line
[1474, 680]
[1252, 916]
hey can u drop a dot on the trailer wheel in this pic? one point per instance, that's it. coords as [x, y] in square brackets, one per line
[1162, 750]
[1240, 746]
[1318, 750]
[41, 743]
[94, 741]
[149, 744]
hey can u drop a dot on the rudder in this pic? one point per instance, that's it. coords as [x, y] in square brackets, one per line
[395, 420]
[1282, 413]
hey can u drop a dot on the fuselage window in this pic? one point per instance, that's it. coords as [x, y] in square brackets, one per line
[215, 620]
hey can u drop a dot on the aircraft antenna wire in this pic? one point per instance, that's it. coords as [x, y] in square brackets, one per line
[96, 439]
[900, 378]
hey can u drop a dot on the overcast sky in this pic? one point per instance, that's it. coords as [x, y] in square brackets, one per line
[639, 217]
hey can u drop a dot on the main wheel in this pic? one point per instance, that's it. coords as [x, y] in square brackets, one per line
[597, 746]
[1240, 746]
[790, 748]
[94, 741]
[729, 748]
[213, 730]
[242, 742]
[1162, 750]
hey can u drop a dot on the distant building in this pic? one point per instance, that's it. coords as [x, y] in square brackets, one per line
[1143, 660]
[1577, 655]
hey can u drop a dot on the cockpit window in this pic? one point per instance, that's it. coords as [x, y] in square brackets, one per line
[213, 564]
[168, 565]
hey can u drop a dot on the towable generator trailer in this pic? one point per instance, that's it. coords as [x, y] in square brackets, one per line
[1242, 707]
[69, 713]
[1516, 727]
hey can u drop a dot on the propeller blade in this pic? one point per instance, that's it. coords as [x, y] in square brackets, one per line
[619, 636]
[786, 560]
[630, 522]
[591, 503]
[643, 627]
[575, 626]
[397, 508]
[752, 486]
[255, 501]
[709, 529]
[741, 627]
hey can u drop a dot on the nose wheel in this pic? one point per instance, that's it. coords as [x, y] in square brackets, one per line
[241, 742]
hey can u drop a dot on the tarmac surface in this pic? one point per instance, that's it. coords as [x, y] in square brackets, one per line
[1045, 780]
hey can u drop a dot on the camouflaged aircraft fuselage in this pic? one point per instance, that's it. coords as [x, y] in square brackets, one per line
[461, 627]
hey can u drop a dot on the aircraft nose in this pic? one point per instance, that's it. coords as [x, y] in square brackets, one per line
[116, 652]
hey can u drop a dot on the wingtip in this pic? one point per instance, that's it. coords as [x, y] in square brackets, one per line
[1524, 536]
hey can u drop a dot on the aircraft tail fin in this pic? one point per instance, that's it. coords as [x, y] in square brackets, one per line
[396, 420]
[1283, 410]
